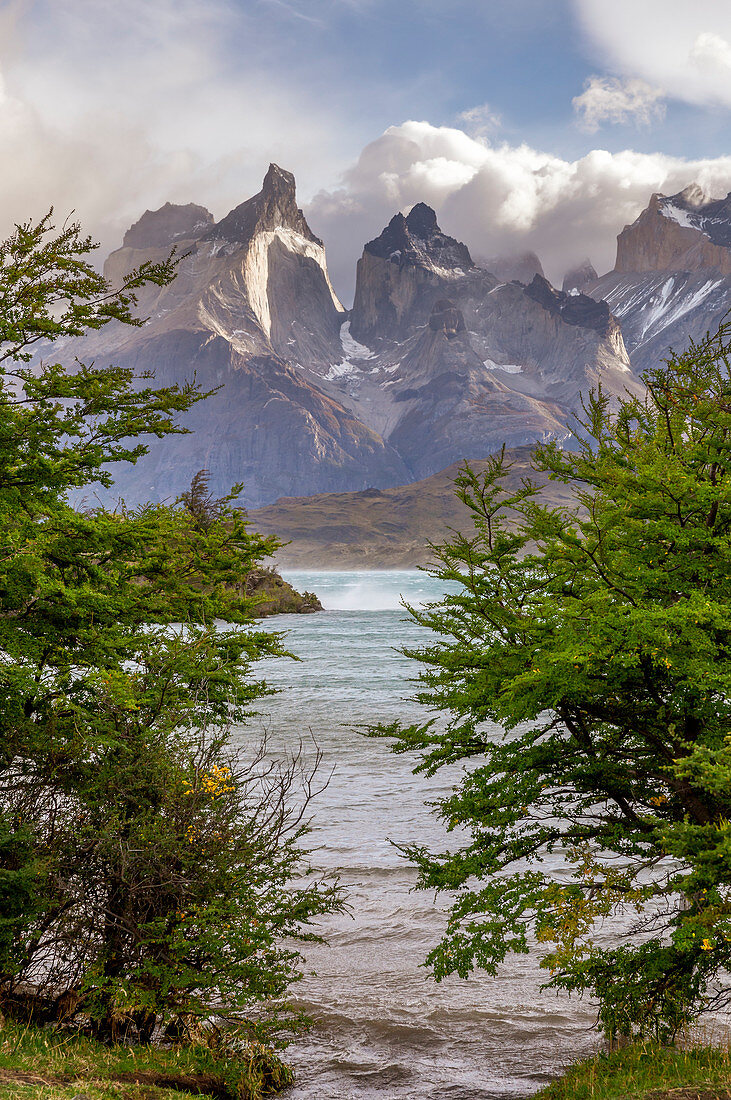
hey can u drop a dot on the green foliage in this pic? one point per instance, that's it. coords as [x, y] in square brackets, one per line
[647, 1071]
[49, 290]
[65, 1065]
[598, 637]
[163, 857]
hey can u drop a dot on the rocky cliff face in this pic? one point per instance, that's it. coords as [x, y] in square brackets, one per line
[579, 278]
[399, 273]
[454, 362]
[439, 360]
[447, 404]
[251, 311]
[684, 232]
[672, 278]
[258, 278]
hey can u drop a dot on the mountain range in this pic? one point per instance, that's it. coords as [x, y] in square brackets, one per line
[441, 358]
[672, 277]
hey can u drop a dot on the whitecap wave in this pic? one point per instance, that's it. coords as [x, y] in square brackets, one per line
[363, 590]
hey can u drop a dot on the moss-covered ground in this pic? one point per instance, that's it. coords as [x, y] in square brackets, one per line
[45, 1064]
[646, 1072]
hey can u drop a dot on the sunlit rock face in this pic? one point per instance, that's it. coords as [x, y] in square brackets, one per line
[684, 232]
[258, 278]
[672, 277]
[439, 360]
[253, 317]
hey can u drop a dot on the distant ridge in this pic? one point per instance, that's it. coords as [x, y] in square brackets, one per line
[382, 528]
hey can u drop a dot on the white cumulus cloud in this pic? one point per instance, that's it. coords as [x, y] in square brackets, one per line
[609, 99]
[711, 49]
[684, 48]
[481, 121]
[500, 199]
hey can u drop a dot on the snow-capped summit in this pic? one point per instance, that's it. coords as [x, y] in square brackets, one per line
[693, 195]
[683, 232]
[672, 278]
[692, 209]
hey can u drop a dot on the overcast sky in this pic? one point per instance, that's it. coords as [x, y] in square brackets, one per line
[542, 124]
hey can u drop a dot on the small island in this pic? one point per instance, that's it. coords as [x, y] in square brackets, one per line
[275, 596]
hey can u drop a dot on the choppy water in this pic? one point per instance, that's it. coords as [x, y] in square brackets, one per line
[385, 1029]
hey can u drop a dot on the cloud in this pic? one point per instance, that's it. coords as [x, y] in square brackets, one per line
[608, 99]
[108, 109]
[500, 199]
[711, 49]
[683, 48]
[480, 122]
[103, 170]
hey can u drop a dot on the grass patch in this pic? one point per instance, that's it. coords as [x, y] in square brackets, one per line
[647, 1072]
[45, 1064]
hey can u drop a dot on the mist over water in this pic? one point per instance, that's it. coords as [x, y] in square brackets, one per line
[377, 590]
[384, 1027]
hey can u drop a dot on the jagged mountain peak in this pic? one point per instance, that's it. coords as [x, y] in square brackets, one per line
[579, 277]
[170, 223]
[693, 209]
[519, 267]
[274, 207]
[672, 277]
[415, 240]
[574, 309]
[279, 180]
[422, 220]
[438, 359]
[693, 195]
[683, 232]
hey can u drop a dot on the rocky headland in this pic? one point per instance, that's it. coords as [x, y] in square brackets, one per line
[275, 596]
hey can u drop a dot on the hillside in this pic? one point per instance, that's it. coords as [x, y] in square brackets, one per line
[380, 528]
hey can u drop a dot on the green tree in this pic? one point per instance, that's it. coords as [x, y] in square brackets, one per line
[56, 431]
[161, 860]
[598, 638]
